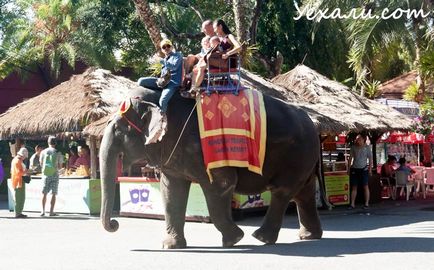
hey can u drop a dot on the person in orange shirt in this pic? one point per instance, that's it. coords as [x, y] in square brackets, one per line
[18, 169]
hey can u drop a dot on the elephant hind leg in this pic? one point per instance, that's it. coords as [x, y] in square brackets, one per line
[310, 224]
[269, 231]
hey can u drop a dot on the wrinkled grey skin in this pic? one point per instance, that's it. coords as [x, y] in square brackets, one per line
[289, 169]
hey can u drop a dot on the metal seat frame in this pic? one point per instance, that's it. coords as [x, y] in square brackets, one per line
[220, 81]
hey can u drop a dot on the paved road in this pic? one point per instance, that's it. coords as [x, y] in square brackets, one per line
[394, 235]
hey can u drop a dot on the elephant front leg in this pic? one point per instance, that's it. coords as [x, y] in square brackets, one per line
[310, 224]
[175, 196]
[218, 196]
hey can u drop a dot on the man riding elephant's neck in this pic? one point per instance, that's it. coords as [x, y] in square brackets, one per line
[160, 151]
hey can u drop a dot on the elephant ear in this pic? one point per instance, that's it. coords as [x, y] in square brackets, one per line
[154, 124]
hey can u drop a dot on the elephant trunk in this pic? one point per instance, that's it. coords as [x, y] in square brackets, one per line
[108, 160]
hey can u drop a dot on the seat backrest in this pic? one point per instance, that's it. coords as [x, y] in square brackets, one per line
[430, 176]
[418, 173]
[401, 178]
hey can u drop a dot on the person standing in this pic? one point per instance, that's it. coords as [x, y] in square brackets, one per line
[35, 166]
[360, 164]
[18, 170]
[51, 162]
[73, 156]
[2, 172]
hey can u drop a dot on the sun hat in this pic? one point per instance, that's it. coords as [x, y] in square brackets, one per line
[165, 42]
[23, 152]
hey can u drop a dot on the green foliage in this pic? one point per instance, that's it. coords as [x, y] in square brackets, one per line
[427, 63]
[249, 60]
[41, 37]
[391, 59]
[412, 92]
[278, 31]
[424, 123]
[155, 69]
[379, 49]
[94, 31]
[371, 89]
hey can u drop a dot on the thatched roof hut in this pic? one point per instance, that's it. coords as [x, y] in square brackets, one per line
[323, 122]
[337, 102]
[69, 106]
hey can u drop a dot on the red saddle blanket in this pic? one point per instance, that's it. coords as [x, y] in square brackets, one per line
[233, 130]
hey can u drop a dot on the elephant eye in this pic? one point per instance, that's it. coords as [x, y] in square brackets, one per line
[119, 129]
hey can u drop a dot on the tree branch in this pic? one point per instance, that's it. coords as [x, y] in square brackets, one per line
[174, 32]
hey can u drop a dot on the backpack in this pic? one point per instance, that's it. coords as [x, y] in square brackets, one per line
[50, 164]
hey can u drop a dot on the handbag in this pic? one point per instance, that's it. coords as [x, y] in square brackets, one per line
[26, 178]
[164, 79]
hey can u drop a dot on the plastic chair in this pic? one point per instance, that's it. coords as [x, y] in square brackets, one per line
[429, 176]
[419, 180]
[402, 181]
[385, 183]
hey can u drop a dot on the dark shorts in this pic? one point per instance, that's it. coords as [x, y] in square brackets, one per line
[359, 177]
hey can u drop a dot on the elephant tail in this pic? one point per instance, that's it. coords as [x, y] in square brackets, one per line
[320, 176]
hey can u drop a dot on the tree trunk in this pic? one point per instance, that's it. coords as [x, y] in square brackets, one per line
[255, 20]
[373, 137]
[240, 9]
[147, 16]
[242, 13]
[420, 81]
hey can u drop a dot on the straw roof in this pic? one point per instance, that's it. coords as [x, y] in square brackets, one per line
[337, 102]
[322, 122]
[97, 128]
[69, 106]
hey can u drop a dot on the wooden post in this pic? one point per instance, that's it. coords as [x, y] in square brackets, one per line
[374, 136]
[93, 157]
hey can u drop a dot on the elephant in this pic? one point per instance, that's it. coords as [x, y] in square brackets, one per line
[290, 167]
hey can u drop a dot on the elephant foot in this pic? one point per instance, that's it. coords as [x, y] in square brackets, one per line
[229, 240]
[266, 236]
[308, 235]
[172, 243]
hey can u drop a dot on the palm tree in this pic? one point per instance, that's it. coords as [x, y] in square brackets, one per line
[365, 35]
[147, 16]
[246, 15]
[44, 38]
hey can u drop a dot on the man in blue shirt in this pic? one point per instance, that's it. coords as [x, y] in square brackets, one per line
[173, 63]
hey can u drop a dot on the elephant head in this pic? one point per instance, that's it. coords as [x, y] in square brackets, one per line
[130, 131]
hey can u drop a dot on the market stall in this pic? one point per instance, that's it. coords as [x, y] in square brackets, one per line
[140, 196]
[77, 194]
[334, 109]
[87, 98]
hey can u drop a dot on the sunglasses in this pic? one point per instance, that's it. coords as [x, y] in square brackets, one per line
[166, 47]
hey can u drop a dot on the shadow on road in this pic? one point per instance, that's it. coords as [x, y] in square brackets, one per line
[388, 214]
[326, 247]
[61, 217]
